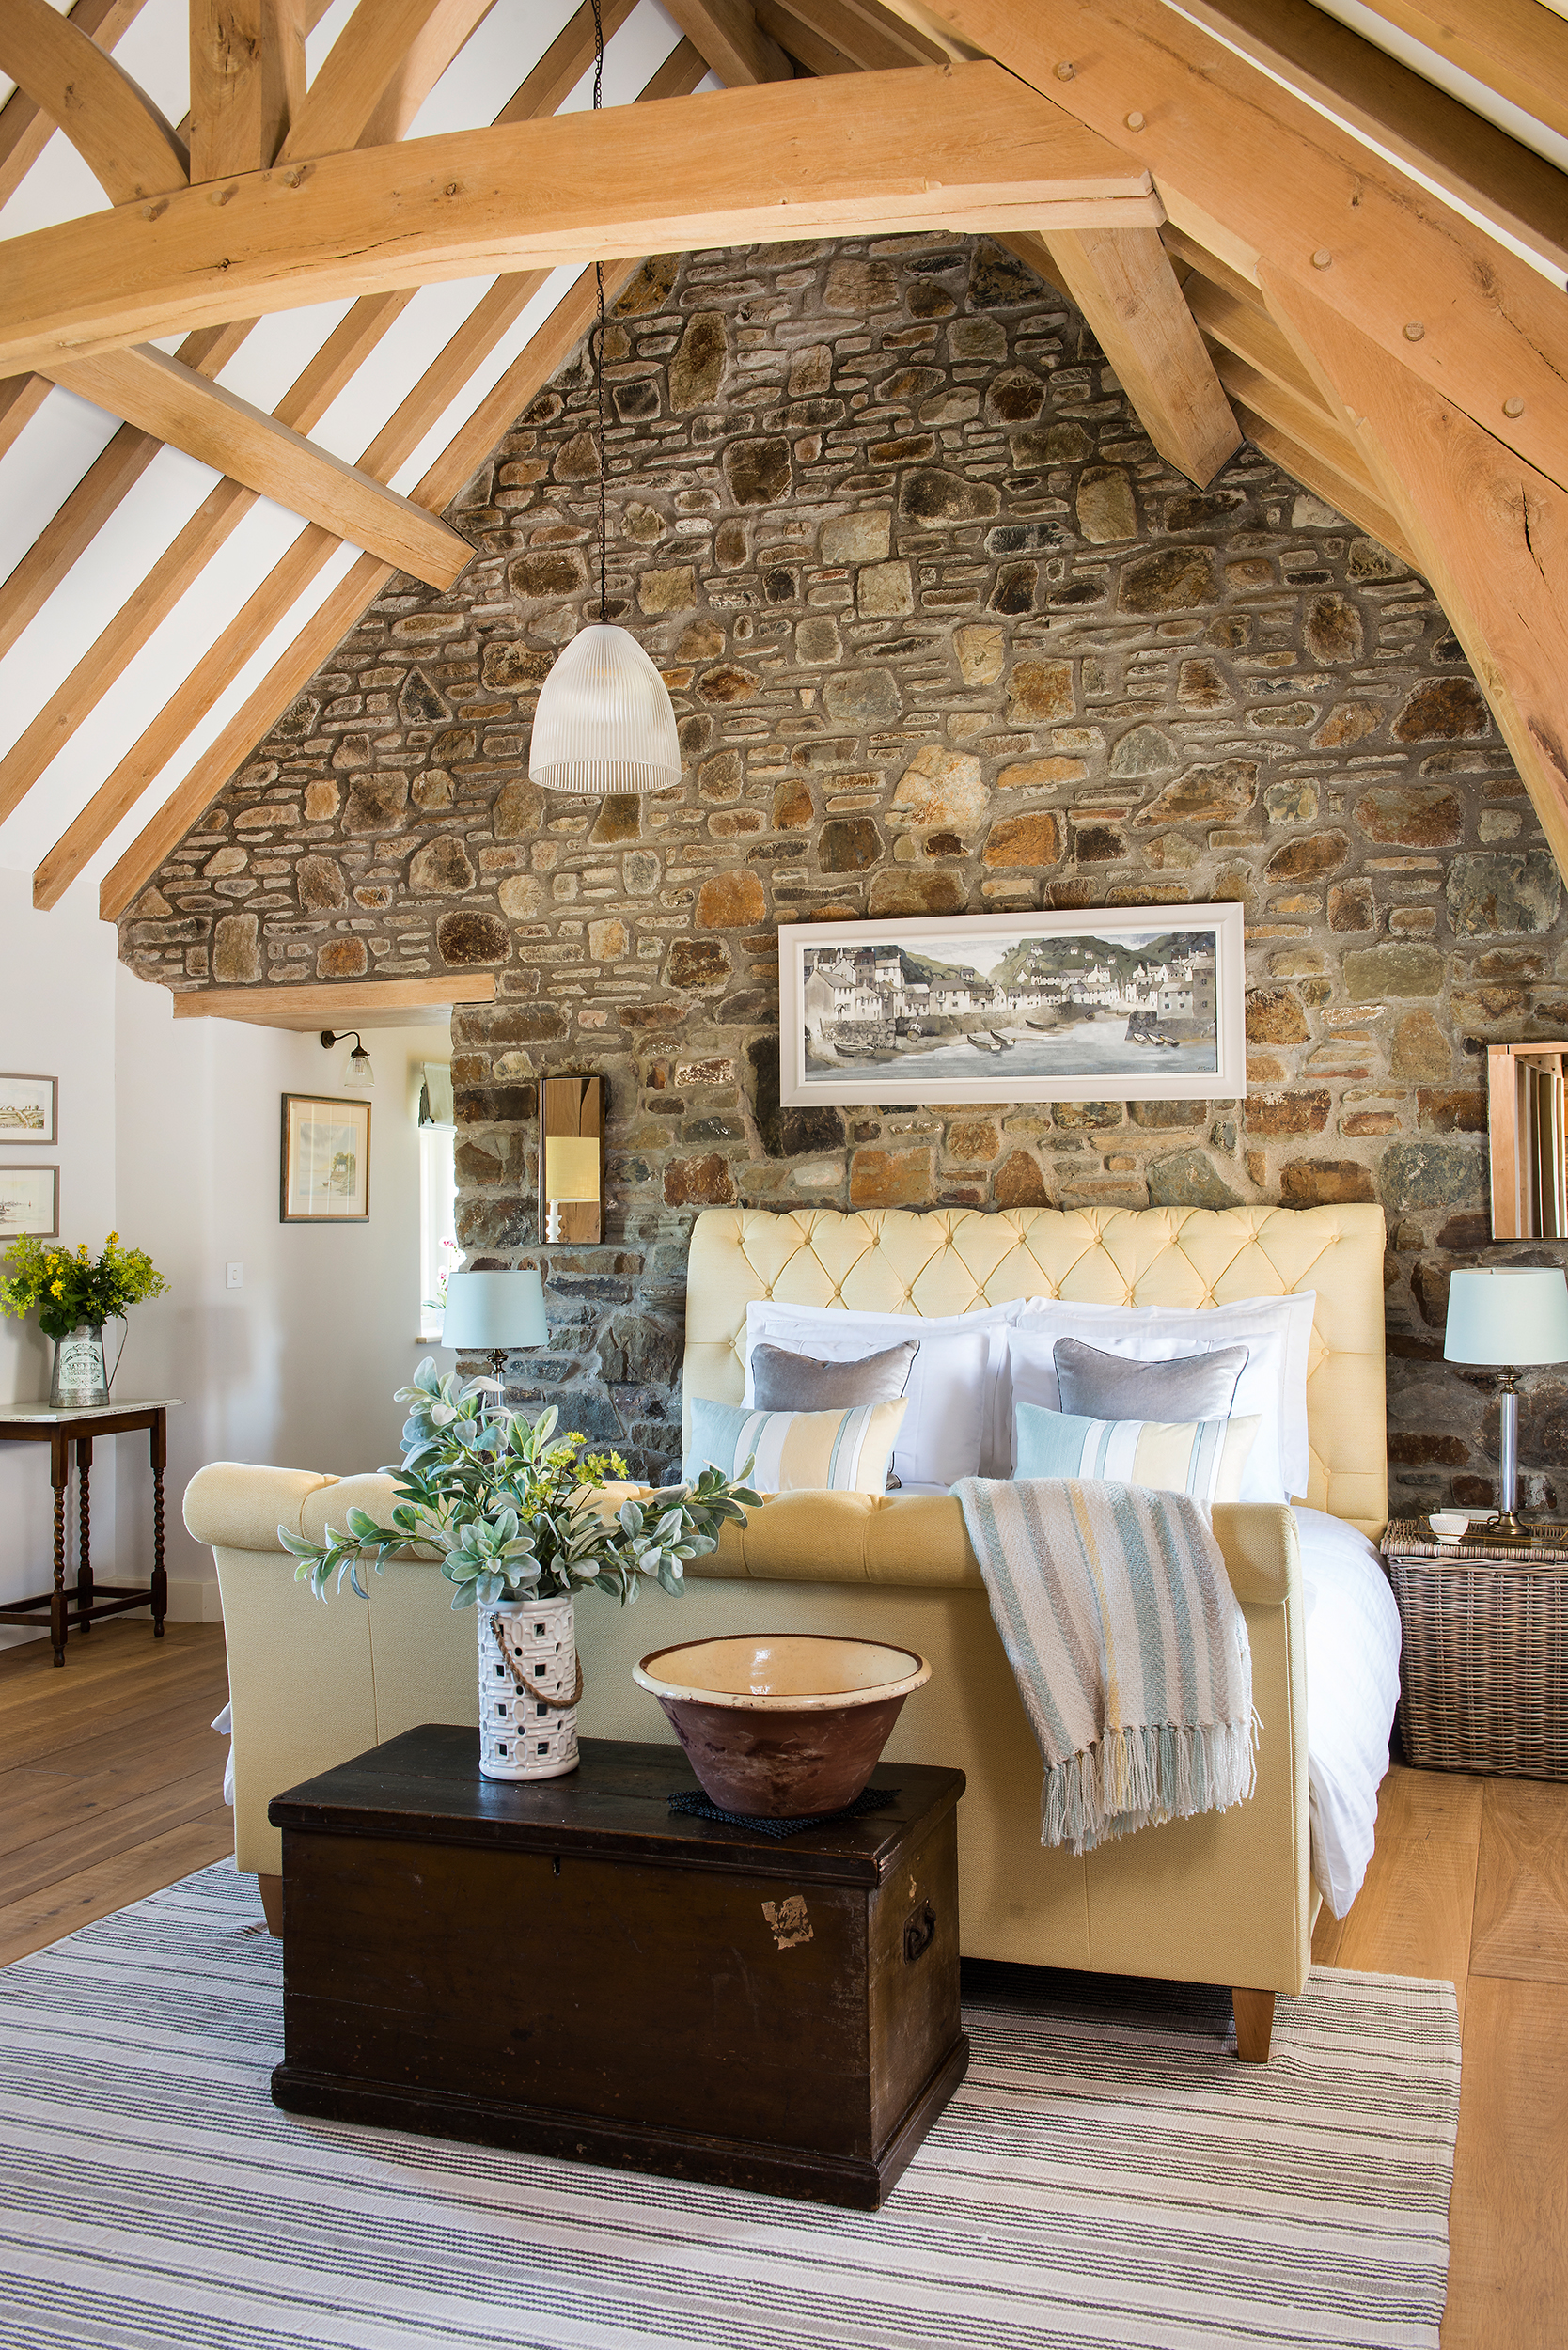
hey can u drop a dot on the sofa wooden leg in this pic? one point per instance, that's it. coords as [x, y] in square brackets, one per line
[271, 1889]
[1254, 2013]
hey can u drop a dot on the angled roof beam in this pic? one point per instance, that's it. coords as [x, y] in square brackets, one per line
[335, 1003]
[115, 126]
[21, 397]
[247, 82]
[1122, 281]
[1516, 47]
[111, 477]
[380, 70]
[538, 360]
[726, 33]
[1490, 533]
[1503, 182]
[1264, 180]
[184, 410]
[950, 147]
[25, 127]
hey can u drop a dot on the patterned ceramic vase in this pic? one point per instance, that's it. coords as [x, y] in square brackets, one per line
[529, 1683]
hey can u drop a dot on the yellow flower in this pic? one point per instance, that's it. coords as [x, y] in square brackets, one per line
[111, 1239]
[58, 1289]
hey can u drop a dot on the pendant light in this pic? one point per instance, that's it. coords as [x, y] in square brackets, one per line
[603, 723]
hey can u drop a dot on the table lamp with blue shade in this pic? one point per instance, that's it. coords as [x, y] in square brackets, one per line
[1507, 1316]
[491, 1313]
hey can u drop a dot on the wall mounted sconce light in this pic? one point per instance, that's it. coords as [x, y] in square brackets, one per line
[359, 1072]
[571, 1159]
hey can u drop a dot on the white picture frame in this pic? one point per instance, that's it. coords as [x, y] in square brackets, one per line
[29, 1109]
[883, 1012]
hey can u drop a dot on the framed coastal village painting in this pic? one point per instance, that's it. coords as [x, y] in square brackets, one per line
[1120, 1004]
[27, 1109]
[326, 1160]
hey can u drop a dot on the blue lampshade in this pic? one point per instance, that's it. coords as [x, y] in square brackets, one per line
[490, 1311]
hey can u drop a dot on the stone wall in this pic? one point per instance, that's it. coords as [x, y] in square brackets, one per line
[943, 635]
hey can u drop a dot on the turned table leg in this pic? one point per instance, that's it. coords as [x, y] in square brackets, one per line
[59, 1472]
[160, 1580]
[84, 1555]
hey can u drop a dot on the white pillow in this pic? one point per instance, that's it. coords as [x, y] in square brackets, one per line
[960, 1418]
[1277, 1332]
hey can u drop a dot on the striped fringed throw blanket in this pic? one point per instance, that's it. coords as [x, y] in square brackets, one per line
[1129, 1649]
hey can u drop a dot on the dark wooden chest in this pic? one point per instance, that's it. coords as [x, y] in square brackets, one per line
[570, 1968]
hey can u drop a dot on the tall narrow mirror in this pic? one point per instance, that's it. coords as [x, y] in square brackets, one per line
[1525, 1092]
[571, 1159]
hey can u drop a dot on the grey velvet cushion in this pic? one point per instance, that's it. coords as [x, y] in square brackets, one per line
[783, 1382]
[1098, 1386]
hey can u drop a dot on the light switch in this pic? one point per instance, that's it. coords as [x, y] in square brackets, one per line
[236, 1276]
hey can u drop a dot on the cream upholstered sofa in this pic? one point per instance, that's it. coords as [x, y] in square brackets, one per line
[1224, 1899]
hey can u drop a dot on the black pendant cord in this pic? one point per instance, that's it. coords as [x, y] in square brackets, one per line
[598, 330]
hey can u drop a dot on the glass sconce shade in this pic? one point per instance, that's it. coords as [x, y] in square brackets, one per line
[358, 1076]
[492, 1313]
[1507, 1315]
[604, 723]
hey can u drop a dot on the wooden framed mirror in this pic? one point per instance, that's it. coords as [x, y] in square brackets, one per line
[571, 1159]
[1524, 1089]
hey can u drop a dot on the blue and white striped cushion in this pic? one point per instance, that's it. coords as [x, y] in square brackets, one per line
[846, 1452]
[1202, 1458]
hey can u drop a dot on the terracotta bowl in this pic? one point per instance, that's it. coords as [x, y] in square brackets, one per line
[781, 1725]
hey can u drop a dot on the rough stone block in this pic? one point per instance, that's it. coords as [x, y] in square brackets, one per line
[892, 1179]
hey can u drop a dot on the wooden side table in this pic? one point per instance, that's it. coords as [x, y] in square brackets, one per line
[60, 1428]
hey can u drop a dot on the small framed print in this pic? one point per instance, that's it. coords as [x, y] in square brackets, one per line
[29, 1203]
[28, 1108]
[326, 1160]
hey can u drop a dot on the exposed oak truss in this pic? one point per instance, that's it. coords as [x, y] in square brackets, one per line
[1273, 229]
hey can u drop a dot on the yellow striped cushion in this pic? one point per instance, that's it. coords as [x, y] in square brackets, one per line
[1200, 1457]
[846, 1452]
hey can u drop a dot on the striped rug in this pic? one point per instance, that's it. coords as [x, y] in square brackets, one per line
[1109, 2176]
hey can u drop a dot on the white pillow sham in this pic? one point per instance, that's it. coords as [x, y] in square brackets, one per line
[1277, 1332]
[959, 1422]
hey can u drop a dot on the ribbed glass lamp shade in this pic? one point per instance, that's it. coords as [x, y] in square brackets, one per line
[603, 722]
[1507, 1315]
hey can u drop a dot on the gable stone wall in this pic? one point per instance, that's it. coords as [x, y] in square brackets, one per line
[944, 635]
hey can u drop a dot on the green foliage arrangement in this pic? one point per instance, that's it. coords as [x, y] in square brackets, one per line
[69, 1287]
[507, 1504]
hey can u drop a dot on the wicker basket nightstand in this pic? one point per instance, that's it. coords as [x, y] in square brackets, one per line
[1484, 1669]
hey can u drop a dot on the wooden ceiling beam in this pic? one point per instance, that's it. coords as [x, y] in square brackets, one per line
[335, 1004]
[1325, 481]
[21, 398]
[1516, 47]
[109, 479]
[792, 33]
[951, 148]
[1122, 282]
[543, 355]
[1506, 184]
[1305, 419]
[218, 428]
[379, 72]
[247, 83]
[1247, 329]
[25, 127]
[114, 126]
[565, 62]
[726, 33]
[1260, 179]
[1490, 533]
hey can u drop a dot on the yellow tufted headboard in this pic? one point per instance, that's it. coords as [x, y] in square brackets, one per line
[950, 1261]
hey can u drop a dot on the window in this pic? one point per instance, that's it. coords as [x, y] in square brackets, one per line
[438, 1249]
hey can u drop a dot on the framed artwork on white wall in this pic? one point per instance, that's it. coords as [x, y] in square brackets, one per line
[28, 1108]
[1122, 1003]
[326, 1160]
[29, 1203]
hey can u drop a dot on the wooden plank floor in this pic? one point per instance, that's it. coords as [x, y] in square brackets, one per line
[110, 1781]
[1469, 1883]
[110, 1787]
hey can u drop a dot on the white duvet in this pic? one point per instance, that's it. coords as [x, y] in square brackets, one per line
[1351, 1690]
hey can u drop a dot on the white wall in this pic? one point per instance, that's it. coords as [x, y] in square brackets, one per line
[56, 1019]
[171, 1135]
